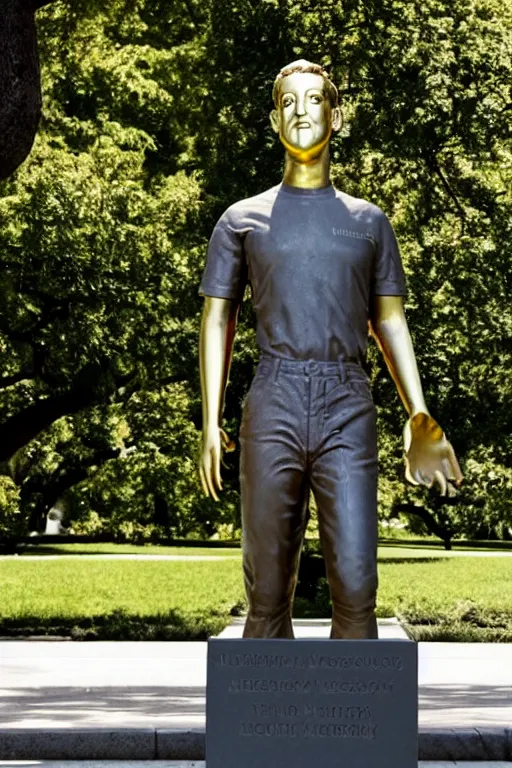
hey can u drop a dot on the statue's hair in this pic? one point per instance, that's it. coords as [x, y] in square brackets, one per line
[301, 65]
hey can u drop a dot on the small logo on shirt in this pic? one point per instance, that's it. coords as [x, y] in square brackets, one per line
[352, 233]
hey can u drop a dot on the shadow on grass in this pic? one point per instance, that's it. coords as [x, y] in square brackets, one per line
[114, 549]
[430, 547]
[40, 550]
[460, 545]
[307, 609]
[120, 625]
[462, 622]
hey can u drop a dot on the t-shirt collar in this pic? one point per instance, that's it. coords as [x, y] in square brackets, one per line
[288, 189]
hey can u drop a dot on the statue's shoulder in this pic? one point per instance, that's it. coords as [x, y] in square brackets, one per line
[358, 204]
[360, 209]
[241, 209]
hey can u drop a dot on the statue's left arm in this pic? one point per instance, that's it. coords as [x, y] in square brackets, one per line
[429, 457]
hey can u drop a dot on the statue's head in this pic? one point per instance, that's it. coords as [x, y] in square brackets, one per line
[306, 109]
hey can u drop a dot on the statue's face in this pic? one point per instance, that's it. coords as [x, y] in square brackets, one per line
[304, 117]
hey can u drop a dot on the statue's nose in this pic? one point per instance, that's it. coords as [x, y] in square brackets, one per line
[300, 107]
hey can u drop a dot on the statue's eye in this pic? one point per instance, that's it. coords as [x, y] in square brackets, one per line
[287, 101]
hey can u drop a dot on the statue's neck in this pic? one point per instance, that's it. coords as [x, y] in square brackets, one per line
[312, 174]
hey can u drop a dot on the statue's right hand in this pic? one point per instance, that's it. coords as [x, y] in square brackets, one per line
[209, 462]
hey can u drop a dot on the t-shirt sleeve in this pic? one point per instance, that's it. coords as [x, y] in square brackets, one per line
[389, 277]
[225, 273]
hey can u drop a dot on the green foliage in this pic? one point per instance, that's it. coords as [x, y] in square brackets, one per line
[155, 120]
[98, 292]
[13, 523]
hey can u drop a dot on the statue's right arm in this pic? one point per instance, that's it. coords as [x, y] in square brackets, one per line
[218, 327]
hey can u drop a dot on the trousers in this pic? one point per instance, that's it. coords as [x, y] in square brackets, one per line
[309, 425]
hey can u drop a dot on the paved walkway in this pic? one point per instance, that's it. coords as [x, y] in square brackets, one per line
[64, 684]
[134, 556]
[194, 764]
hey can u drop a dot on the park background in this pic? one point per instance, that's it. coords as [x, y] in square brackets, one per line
[155, 119]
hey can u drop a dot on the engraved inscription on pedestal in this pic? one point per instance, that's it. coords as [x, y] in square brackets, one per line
[349, 703]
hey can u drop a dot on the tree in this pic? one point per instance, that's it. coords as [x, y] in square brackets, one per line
[99, 254]
[13, 524]
[155, 120]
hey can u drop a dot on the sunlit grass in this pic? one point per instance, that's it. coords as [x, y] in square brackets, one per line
[426, 590]
[439, 597]
[52, 595]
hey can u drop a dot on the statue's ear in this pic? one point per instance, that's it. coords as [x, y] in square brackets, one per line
[274, 120]
[337, 119]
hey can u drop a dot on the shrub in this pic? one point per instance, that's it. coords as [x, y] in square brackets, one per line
[13, 525]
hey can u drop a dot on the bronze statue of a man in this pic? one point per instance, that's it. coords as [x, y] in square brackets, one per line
[323, 267]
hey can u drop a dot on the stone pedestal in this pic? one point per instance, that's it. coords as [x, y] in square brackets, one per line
[312, 703]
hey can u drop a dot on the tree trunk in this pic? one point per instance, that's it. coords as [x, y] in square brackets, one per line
[20, 429]
[20, 82]
[66, 477]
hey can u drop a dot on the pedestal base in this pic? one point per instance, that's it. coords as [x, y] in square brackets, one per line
[331, 703]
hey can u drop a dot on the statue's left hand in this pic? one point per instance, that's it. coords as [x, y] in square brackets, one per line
[429, 456]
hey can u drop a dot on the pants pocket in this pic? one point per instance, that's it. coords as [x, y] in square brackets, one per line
[361, 387]
[253, 397]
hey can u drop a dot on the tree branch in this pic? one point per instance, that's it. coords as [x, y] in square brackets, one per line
[20, 429]
[15, 378]
[65, 477]
[191, 12]
[48, 314]
[434, 166]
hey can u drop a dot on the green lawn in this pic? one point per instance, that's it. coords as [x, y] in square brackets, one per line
[462, 599]
[118, 599]
[438, 597]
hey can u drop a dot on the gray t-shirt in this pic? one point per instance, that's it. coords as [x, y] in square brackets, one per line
[313, 258]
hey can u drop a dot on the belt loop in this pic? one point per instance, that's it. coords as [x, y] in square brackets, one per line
[277, 366]
[343, 371]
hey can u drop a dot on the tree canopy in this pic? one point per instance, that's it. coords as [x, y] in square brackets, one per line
[155, 119]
